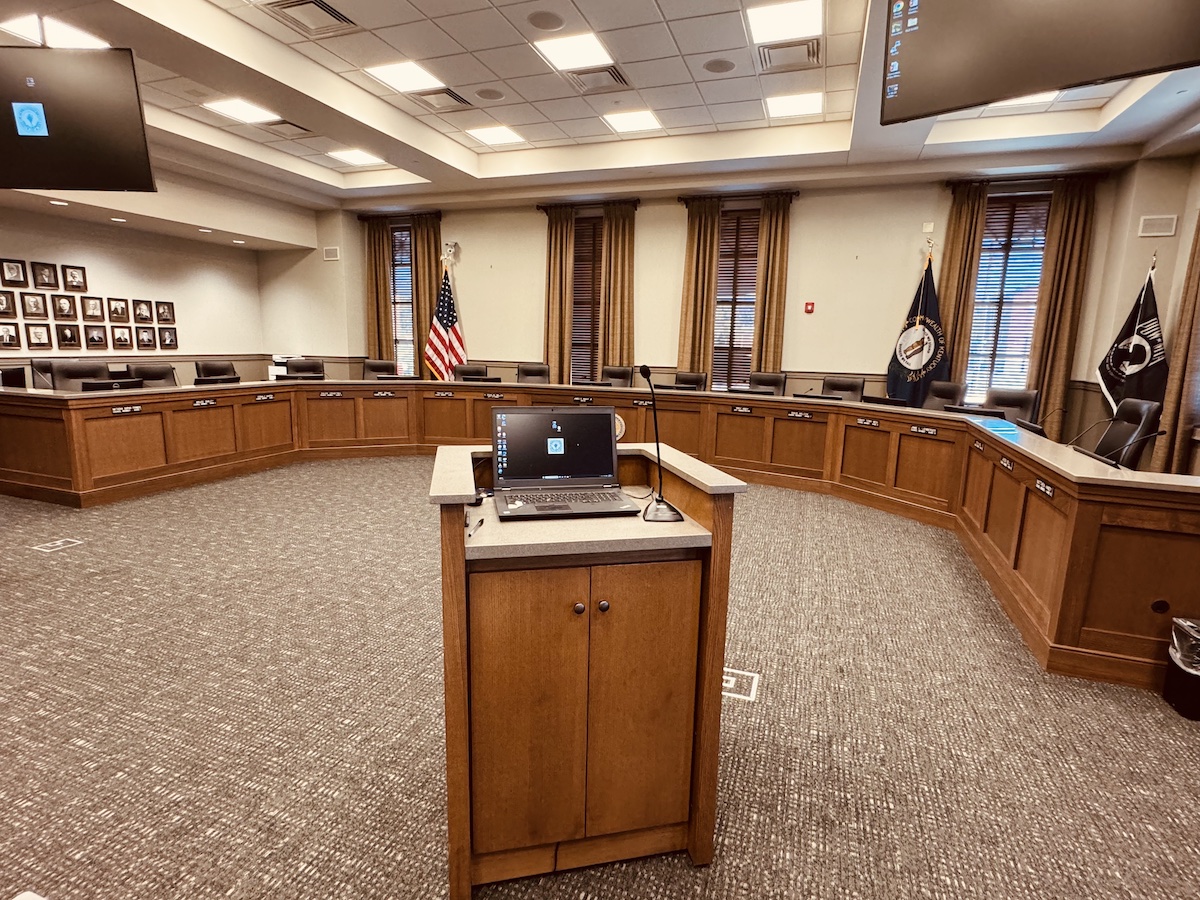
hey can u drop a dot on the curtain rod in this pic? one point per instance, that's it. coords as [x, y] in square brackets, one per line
[743, 196]
[594, 204]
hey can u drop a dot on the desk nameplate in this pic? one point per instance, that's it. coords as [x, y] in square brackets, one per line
[125, 410]
[383, 394]
[262, 398]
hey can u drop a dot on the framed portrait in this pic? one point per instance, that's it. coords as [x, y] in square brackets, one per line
[96, 337]
[10, 336]
[68, 337]
[45, 275]
[143, 311]
[74, 278]
[8, 305]
[37, 337]
[63, 306]
[122, 337]
[146, 339]
[34, 306]
[13, 273]
[93, 308]
[166, 313]
[118, 310]
[168, 339]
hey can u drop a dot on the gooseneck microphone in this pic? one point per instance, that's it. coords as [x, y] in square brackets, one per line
[1107, 421]
[1113, 455]
[658, 509]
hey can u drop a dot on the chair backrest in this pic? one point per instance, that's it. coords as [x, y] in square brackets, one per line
[617, 376]
[776, 381]
[1015, 404]
[41, 373]
[944, 393]
[848, 387]
[154, 374]
[698, 379]
[463, 369]
[373, 368]
[302, 365]
[207, 367]
[532, 373]
[69, 374]
[1132, 420]
[12, 376]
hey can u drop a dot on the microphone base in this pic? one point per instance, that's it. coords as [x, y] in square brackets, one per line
[661, 511]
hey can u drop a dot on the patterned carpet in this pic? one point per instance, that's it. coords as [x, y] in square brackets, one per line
[234, 690]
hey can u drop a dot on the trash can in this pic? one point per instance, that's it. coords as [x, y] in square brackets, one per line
[1182, 686]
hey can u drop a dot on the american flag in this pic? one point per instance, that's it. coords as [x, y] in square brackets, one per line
[445, 348]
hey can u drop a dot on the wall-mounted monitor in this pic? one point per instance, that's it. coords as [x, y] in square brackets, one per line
[71, 120]
[945, 55]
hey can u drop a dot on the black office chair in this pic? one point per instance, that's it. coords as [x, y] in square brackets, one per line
[373, 368]
[1014, 404]
[12, 376]
[153, 374]
[306, 367]
[617, 376]
[847, 387]
[69, 374]
[696, 381]
[532, 373]
[775, 381]
[212, 368]
[1133, 420]
[476, 370]
[944, 393]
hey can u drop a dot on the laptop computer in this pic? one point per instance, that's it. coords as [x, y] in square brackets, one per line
[556, 462]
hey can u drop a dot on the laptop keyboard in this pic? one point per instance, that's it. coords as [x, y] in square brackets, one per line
[567, 497]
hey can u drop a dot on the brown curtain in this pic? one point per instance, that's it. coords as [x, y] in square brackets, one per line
[1060, 297]
[616, 284]
[771, 287]
[699, 284]
[427, 279]
[1181, 406]
[960, 266]
[379, 289]
[560, 276]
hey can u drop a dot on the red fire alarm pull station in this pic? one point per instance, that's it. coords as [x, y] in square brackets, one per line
[810, 307]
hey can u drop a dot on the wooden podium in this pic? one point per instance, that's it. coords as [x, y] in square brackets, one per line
[583, 674]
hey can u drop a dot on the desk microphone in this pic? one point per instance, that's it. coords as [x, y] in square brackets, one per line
[1042, 420]
[1111, 456]
[1107, 421]
[658, 509]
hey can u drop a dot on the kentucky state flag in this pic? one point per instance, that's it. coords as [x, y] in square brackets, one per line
[920, 356]
[1136, 364]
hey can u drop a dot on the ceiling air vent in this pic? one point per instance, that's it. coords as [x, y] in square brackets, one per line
[312, 18]
[598, 81]
[441, 100]
[789, 57]
[1157, 226]
[286, 129]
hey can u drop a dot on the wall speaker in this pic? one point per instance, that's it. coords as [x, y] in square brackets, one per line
[332, 254]
[1157, 226]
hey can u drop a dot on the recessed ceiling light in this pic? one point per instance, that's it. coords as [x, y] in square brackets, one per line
[792, 105]
[404, 77]
[236, 241]
[206, 231]
[625, 122]
[580, 51]
[1028, 99]
[59, 203]
[25, 27]
[64, 36]
[242, 111]
[116, 219]
[497, 134]
[785, 21]
[355, 157]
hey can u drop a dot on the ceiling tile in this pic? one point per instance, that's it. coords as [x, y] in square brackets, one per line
[543, 87]
[436, 123]
[802, 82]
[746, 111]
[267, 24]
[743, 64]
[656, 73]
[618, 101]
[462, 68]
[643, 42]
[363, 49]
[680, 9]
[148, 71]
[1088, 91]
[319, 54]
[561, 142]
[843, 49]
[839, 101]
[462, 119]
[606, 138]
[739, 126]
[467, 141]
[841, 78]
[582, 128]
[845, 15]
[252, 133]
[573, 23]
[327, 161]
[541, 131]
[567, 108]
[377, 13]
[189, 90]
[207, 116]
[365, 81]
[709, 34]
[731, 90]
[685, 117]
[480, 30]
[448, 7]
[672, 97]
[604, 15]
[155, 97]
[516, 114]
[693, 129]
[321, 144]
[1093, 103]
[420, 40]
[515, 61]
[471, 93]
[291, 147]
[404, 103]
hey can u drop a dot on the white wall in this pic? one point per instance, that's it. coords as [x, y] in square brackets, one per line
[660, 244]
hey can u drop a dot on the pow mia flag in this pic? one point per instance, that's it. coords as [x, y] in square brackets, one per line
[920, 356]
[1136, 364]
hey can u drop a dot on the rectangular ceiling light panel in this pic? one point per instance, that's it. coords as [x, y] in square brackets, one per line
[786, 21]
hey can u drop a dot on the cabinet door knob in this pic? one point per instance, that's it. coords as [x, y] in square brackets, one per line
[579, 609]
[603, 606]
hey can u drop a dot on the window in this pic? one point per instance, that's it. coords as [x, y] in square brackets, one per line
[733, 324]
[585, 298]
[1006, 293]
[403, 340]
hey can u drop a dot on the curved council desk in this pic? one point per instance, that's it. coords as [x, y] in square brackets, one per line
[1089, 562]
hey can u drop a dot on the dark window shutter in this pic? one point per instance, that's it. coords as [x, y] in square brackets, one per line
[733, 324]
[403, 340]
[585, 299]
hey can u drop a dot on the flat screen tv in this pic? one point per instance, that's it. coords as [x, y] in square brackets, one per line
[945, 55]
[71, 120]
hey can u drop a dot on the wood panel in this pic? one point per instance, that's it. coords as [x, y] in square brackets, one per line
[1040, 555]
[445, 418]
[202, 433]
[330, 419]
[681, 428]
[741, 436]
[865, 454]
[122, 445]
[799, 444]
[977, 489]
[1003, 518]
[529, 689]
[266, 423]
[385, 417]
[927, 466]
[641, 695]
[34, 444]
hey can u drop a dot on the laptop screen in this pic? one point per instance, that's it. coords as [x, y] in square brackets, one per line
[553, 446]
